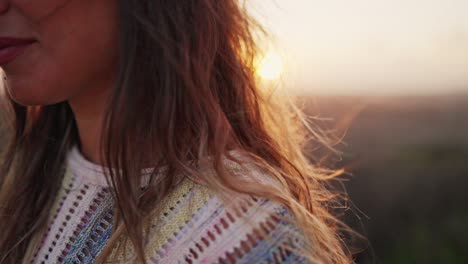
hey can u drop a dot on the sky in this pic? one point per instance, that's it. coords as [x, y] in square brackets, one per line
[369, 46]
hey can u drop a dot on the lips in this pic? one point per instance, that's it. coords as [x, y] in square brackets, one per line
[8, 42]
[11, 48]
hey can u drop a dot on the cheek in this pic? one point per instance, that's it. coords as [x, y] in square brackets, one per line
[77, 47]
[39, 9]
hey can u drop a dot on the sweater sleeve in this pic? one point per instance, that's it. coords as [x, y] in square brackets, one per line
[196, 226]
[249, 230]
[255, 248]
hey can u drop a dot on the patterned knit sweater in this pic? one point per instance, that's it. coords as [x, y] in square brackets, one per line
[194, 225]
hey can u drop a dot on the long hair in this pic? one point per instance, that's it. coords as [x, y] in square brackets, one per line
[186, 89]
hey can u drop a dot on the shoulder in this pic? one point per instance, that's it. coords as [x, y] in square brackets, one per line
[197, 226]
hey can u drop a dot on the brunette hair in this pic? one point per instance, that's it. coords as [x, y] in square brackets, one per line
[186, 83]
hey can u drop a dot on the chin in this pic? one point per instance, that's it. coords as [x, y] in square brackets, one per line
[30, 96]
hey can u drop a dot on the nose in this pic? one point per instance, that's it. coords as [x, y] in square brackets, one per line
[4, 5]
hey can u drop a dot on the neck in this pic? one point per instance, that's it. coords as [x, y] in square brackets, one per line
[89, 109]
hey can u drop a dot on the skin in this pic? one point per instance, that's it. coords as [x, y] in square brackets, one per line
[73, 60]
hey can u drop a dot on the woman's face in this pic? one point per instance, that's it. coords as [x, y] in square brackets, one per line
[75, 48]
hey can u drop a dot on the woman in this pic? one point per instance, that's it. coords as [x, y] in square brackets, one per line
[206, 167]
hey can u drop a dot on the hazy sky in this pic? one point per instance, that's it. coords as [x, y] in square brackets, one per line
[378, 46]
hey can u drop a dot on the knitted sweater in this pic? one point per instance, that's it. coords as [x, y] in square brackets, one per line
[194, 225]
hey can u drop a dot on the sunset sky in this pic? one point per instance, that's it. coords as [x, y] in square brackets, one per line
[370, 46]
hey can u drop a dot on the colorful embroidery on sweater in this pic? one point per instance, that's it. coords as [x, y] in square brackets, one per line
[193, 225]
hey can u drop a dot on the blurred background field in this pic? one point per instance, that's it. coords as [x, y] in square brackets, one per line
[394, 73]
[408, 156]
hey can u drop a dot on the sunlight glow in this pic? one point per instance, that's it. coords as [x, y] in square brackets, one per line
[367, 46]
[270, 66]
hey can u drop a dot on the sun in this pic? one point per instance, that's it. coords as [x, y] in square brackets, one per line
[270, 67]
